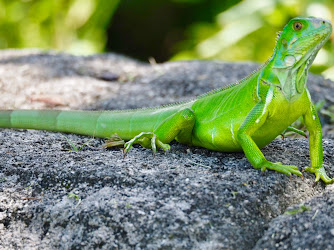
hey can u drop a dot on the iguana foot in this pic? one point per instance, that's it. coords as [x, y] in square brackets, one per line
[147, 140]
[320, 173]
[279, 167]
[113, 141]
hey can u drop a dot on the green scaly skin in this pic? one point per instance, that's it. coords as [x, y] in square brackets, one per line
[242, 117]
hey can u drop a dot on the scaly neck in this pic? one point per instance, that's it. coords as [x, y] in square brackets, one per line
[291, 80]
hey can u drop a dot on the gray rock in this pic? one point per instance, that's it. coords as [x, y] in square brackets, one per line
[191, 198]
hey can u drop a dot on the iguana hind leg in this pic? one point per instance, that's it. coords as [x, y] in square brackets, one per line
[178, 126]
[294, 130]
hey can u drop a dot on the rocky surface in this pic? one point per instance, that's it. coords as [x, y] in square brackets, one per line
[191, 198]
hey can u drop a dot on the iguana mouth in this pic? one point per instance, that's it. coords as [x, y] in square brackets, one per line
[319, 38]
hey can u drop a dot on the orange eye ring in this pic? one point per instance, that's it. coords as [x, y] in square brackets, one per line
[297, 26]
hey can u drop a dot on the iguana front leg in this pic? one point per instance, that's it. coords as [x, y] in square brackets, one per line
[254, 120]
[313, 125]
[178, 126]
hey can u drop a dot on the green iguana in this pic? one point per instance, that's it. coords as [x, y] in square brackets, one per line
[244, 116]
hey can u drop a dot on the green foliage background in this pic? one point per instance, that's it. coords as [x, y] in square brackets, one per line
[77, 26]
[247, 30]
[230, 30]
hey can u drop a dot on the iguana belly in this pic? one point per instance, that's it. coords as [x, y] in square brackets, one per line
[220, 133]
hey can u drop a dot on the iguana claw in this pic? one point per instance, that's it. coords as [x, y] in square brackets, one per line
[147, 140]
[320, 173]
[279, 167]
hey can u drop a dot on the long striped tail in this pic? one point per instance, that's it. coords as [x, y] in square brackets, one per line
[78, 122]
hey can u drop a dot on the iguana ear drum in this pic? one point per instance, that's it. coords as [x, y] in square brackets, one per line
[289, 60]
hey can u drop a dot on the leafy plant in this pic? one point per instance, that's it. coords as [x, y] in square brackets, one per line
[76, 26]
[75, 148]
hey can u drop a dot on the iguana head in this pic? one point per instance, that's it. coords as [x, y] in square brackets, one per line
[300, 41]
[296, 48]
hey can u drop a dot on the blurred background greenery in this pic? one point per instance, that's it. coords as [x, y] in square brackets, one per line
[231, 30]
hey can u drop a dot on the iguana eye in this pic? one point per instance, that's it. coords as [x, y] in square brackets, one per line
[297, 26]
